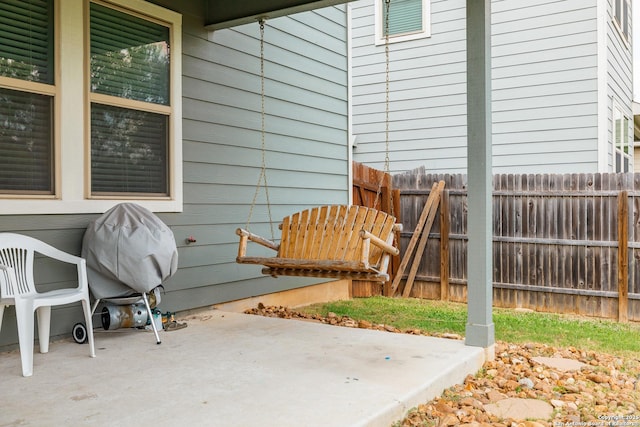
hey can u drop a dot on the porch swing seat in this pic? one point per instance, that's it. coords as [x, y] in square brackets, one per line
[336, 241]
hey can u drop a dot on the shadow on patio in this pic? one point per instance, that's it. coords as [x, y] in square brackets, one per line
[230, 369]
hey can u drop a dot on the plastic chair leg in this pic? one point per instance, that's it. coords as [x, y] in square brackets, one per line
[44, 327]
[1, 314]
[88, 311]
[24, 315]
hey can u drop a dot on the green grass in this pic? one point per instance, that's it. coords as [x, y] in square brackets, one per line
[511, 326]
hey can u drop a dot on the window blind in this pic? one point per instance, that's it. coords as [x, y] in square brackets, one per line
[26, 40]
[129, 56]
[26, 153]
[128, 151]
[405, 16]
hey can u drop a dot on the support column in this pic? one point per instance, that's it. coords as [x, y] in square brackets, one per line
[480, 331]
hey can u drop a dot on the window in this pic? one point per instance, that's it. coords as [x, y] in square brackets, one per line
[108, 128]
[622, 18]
[408, 20]
[129, 62]
[27, 91]
[622, 138]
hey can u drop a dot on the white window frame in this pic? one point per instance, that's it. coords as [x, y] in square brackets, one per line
[626, 38]
[72, 117]
[620, 119]
[379, 25]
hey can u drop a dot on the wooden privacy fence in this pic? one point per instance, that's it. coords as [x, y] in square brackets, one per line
[561, 243]
[373, 187]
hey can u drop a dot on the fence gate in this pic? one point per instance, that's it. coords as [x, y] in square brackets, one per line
[367, 184]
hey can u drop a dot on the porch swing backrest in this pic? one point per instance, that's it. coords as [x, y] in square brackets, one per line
[329, 238]
[333, 233]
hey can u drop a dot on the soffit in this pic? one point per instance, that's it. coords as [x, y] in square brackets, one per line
[229, 13]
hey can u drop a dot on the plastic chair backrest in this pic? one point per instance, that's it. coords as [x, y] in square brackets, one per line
[17, 253]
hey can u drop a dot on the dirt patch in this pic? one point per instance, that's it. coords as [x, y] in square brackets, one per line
[604, 391]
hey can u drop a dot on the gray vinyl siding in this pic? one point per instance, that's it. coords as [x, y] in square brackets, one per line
[545, 89]
[427, 92]
[306, 143]
[306, 154]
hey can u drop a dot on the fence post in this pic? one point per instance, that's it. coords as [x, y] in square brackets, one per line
[623, 256]
[444, 246]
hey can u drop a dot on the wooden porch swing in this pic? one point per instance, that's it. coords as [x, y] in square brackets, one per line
[334, 241]
[344, 242]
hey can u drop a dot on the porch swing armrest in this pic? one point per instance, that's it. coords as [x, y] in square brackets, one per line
[245, 236]
[379, 243]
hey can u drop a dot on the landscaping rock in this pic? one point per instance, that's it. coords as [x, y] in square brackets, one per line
[526, 382]
[494, 396]
[364, 324]
[516, 408]
[560, 363]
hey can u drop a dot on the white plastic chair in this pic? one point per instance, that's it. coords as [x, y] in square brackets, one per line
[17, 287]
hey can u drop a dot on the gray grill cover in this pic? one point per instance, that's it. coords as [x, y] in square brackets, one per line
[128, 250]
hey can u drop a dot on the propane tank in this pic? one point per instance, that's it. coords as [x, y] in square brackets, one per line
[124, 316]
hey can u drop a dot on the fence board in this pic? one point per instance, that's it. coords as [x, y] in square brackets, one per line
[555, 240]
[373, 188]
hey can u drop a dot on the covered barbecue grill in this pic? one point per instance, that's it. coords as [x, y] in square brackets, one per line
[130, 252]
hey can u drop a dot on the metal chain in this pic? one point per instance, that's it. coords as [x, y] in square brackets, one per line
[263, 170]
[387, 162]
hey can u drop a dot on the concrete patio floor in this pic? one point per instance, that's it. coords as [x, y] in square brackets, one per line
[230, 369]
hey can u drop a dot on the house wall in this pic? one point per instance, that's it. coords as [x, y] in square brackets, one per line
[306, 154]
[545, 89]
[619, 77]
[306, 143]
